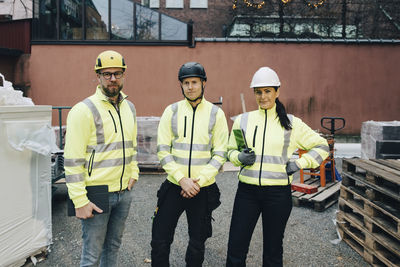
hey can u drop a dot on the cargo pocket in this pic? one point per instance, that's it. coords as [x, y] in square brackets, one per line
[213, 202]
[161, 194]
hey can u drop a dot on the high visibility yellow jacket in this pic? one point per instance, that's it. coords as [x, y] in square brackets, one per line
[274, 146]
[100, 146]
[192, 142]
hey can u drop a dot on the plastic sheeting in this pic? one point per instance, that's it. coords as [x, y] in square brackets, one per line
[375, 131]
[147, 142]
[25, 163]
[11, 97]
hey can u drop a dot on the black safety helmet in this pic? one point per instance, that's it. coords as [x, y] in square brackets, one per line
[192, 69]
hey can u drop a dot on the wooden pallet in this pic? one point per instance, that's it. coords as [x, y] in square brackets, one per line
[319, 201]
[392, 163]
[150, 168]
[375, 250]
[373, 217]
[365, 194]
[375, 175]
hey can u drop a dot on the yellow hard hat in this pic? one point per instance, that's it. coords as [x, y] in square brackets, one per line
[109, 59]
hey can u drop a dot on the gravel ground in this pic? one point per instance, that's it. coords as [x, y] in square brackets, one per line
[307, 237]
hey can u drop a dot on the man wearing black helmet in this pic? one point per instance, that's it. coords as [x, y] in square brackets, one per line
[192, 143]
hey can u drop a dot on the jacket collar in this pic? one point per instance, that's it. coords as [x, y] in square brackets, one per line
[270, 112]
[99, 94]
[200, 104]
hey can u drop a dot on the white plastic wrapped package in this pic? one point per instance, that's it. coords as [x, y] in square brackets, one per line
[11, 97]
[147, 142]
[25, 163]
[374, 131]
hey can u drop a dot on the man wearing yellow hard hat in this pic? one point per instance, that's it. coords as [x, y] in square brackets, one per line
[100, 155]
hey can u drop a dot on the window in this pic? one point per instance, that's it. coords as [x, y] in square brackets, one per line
[96, 20]
[45, 20]
[147, 24]
[105, 21]
[71, 20]
[122, 20]
[154, 4]
[172, 29]
[174, 3]
[198, 3]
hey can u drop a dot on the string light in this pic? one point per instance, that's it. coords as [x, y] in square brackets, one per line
[261, 4]
[249, 4]
[316, 4]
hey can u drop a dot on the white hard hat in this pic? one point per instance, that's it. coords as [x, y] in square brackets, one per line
[265, 77]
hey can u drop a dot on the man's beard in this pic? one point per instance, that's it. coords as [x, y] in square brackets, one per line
[111, 93]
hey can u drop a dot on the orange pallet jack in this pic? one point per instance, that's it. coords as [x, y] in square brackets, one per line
[321, 170]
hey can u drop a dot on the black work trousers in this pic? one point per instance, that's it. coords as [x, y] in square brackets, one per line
[275, 204]
[166, 219]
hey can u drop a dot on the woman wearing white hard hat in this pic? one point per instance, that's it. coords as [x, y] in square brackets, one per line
[271, 137]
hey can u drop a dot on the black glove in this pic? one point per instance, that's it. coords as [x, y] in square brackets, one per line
[247, 157]
[291, 167]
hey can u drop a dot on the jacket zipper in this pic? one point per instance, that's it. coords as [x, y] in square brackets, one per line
[90, 164]
[262, 151]
[191, 141]
[115, 126]
[123, 148]
[254, 136]
[184, 130]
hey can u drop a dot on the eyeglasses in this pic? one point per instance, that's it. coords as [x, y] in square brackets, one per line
[117, 75]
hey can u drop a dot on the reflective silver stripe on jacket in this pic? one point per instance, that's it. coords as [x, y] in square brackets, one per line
[74, 178]
[110, 162]
[163, 148]
[174, 120]
[286, 136]
[74, 162]
[101, 146]
[213, 119]
[264, 174]
[133, 109]
[195, 147]
[97, 120]
[166, 160]
[323, 147]
[194, 161]
[286, 140]
[271, 159]
[219, 153]
[109, 147]
[314, 154]
[243, 121]
[186, 146]
[215, 163]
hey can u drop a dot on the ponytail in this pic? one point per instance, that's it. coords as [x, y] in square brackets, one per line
[283, 117]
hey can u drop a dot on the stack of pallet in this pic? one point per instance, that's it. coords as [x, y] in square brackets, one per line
[369, 215]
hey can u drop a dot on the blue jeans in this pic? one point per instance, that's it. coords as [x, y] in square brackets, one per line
[102, 234]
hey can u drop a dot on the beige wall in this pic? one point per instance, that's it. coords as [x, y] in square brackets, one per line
[357, 82]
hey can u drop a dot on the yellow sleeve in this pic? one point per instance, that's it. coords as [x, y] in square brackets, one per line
[134, 163]
[219, 142]
[307, 139]
[233, 151]
[79, 127]
[164, 146]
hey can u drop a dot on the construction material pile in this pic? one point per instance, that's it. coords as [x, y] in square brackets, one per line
[11, 97]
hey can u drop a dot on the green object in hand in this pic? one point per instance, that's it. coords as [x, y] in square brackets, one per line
[240, 139]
